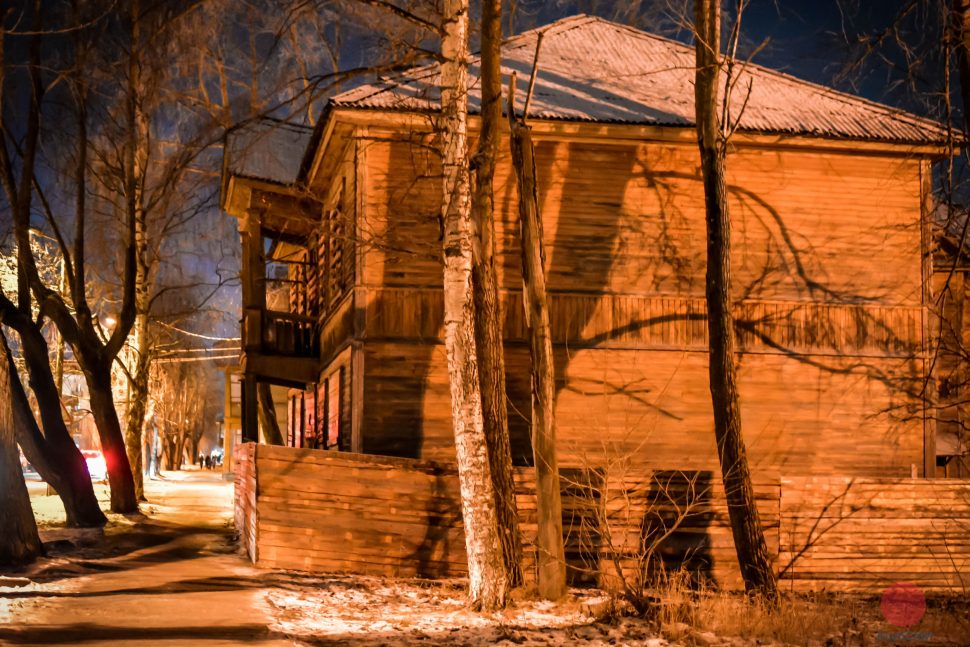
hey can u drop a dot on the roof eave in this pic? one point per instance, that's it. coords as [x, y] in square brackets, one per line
[321, 132]
[621, 131]
[236, 197]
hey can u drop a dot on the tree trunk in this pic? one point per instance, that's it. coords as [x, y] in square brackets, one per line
[171, 448]
[138, 386]
[123, 499]
[135, 424]
[551, 557]
[749, 539]
[56, 454]
[53, 452]
[488, 584]
[488, 314]
[19, 541]
[153, 451]
[267, 416]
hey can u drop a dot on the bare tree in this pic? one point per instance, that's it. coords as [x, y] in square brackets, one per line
[488, 584]
[179, 409]
[488, 321]
[551, 553]
[73, 315]
[961, 46]
[749, 539]
[52, 450]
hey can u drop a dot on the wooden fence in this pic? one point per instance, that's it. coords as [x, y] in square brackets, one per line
[321, 511]
[325, 511]
[244, 465]
[862, 535]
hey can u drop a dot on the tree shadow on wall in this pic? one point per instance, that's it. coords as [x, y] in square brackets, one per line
[636, 525]
[441, 545]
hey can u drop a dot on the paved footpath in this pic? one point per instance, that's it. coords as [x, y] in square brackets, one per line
[173, 578]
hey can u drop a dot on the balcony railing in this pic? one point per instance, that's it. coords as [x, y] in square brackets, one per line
[285, 334]
[289, 334]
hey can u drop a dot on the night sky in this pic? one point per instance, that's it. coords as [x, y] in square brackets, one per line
[808, 39]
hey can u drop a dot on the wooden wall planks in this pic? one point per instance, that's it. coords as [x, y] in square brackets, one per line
[827, 268]
[338, 512]
[634, 321]
[654, 407]
[628, 219]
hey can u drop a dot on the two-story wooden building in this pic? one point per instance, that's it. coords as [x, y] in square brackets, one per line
[831, 255]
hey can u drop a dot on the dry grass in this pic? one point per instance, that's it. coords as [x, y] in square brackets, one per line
[683, 613]
[795, 621]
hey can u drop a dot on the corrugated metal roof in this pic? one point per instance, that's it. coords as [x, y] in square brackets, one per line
[267, 150]
[594, 70]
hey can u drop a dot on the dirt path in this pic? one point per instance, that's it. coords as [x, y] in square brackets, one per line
[172, 578]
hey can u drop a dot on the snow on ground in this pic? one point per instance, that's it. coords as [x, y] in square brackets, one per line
[358, 610]
[48, 509]
[370, 611]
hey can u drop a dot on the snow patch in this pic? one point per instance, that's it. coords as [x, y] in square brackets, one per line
[362, 610]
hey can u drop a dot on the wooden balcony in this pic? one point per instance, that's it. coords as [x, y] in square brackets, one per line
[281, 347]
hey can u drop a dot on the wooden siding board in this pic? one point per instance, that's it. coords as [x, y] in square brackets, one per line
[624, 235]
[629, 219]
[654, 406]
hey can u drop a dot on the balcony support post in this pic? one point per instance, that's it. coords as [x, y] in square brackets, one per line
[250, 411]
[253, 270]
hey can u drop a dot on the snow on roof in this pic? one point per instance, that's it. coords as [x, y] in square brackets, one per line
[267, 150]
[594, 70]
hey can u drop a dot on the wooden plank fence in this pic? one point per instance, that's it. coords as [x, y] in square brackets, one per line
[324, 511]
[342, 512]
[244, 464]
[863, 534]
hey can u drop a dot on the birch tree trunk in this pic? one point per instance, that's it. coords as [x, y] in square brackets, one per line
[139, 133]
[19, 541]
[749, 539]
[551, 565]
[488, 585]
[488, 315]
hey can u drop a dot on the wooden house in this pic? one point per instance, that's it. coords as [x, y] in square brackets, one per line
[342, 278]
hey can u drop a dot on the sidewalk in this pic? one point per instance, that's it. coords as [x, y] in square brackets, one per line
[173, 578]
